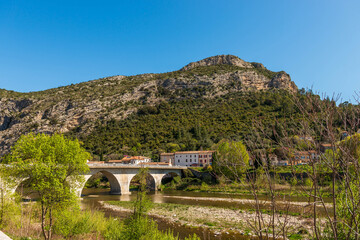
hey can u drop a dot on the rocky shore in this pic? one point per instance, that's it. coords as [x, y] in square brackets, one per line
[220, 219]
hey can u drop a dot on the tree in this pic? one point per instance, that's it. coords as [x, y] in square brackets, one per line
[231, 159]
[53, 165]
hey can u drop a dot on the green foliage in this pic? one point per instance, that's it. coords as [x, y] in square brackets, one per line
[294, 181]
[72, 221]
[350, 147]
[347, 200]
[308, 182]
[51, 165]
[204, 187]
[113, 229]
[142, 204]
[188, 173]
[9, 206]
[98, 180]
[231, 160]
[139, 226]
[190, 123]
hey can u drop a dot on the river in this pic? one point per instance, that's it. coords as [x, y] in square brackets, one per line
[92, 196]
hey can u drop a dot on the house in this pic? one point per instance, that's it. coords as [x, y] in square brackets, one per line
[265, 159]
[344, 135]
[301, 157]
[325, 146]
[283, 163]
[132, 160]
[306, 138]
[272, 159]
[205, 157]
[188, 158]
[304, 157]
[167, 157]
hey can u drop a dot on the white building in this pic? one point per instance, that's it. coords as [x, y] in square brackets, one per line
[189, 158]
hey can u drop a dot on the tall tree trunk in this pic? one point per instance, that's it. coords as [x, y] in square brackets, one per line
[50, 224]
[43, 218]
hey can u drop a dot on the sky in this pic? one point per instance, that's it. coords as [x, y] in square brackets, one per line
[47, 44]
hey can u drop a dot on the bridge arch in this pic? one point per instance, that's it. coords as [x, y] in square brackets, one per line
[22, 187]
[115, 187]
[168, 177]
[150, 181]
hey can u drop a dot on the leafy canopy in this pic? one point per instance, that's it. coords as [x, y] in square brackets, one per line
[231, 159]
[52, 165]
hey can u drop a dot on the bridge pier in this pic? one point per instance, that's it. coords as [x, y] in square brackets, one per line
[158, 177]
[124, 181]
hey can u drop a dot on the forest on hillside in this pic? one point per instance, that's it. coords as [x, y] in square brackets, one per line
[193, 124]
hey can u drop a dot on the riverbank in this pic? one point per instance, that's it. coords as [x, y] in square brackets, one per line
[281, 188]
[221, 219]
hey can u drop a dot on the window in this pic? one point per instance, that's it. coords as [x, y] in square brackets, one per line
[190, 160]
[178, 160]
[190, 155]
[186, 160]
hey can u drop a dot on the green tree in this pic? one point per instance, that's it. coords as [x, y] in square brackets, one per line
[231, 159]
[53, 165]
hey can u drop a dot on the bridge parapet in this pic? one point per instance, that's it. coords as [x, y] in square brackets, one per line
[137, 166]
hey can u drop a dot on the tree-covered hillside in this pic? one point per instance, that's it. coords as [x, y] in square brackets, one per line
[214, 96]
[189, 124]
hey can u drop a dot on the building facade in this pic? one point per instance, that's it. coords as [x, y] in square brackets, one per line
[132, 160]
[188, 158]
[167, 157]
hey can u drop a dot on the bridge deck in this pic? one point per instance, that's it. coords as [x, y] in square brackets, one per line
[127, 166]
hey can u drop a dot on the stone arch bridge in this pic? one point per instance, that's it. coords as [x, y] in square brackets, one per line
[119, 176]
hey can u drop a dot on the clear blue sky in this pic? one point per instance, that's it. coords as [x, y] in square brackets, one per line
[46, 44]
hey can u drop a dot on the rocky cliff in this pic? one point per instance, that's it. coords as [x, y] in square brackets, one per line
[79, 106]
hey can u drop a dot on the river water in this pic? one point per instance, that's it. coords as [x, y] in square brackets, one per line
[92, 196]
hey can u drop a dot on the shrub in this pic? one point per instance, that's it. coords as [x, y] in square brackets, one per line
[113, 230]
[204, 187]
[73, 221]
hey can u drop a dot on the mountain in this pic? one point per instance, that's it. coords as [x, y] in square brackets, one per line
[84, 109]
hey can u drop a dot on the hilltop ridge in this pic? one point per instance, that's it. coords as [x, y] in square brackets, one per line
[219, 60]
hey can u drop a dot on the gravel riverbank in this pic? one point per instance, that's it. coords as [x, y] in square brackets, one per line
[219, 219]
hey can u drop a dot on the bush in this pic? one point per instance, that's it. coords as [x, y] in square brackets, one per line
[188, 173]
[204, 187]
[113, 230]
[73, 221]
[294, 181]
